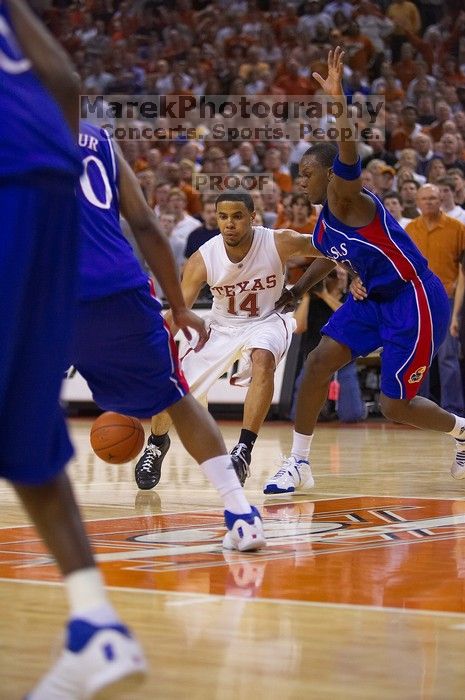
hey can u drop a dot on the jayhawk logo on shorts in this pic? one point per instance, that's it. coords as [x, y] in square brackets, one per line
[417, 376]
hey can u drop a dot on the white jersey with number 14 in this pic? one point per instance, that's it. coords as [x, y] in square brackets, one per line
[246, 290]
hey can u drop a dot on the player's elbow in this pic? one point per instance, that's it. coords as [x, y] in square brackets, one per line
[145, 226]
[65, 82]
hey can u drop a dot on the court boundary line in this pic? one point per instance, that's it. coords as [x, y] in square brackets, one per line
[209, 597]
[210, 509]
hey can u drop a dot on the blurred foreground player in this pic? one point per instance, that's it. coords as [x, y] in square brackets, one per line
[404, 309]
[122, 346]
[40, 167]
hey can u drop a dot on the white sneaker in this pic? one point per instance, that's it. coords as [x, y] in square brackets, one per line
[245, 531]
[98, 663]
[293, 475]
[457, 469]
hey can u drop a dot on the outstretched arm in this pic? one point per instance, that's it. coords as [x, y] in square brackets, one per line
[345, 197]
[289, 243]
[314, 274]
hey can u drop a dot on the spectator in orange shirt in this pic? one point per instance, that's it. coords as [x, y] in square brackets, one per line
[405, 67]
[287, 19]
[451, 73]
[360, 51]
[441, 239]
[172, 173]
[272, 163]
[303, 219]
[406, 18]
[403, 136]
[186, 171]
[292, 82]
[285, 215]
[252, 63]
[443, 113]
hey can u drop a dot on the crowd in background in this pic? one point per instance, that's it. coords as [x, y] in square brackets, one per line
[413, 54]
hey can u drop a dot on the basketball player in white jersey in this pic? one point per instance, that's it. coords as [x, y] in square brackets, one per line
[245, 270]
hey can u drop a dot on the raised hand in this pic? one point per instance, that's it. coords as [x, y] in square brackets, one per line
[332, 85]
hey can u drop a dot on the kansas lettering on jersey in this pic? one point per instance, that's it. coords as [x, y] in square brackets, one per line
[34, 137]
[381, 252]
[246, 290]
[108, 264]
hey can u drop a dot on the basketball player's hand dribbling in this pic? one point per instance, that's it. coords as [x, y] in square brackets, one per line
[288, 301]
[357, 289]
[332, 85]
[185, 320]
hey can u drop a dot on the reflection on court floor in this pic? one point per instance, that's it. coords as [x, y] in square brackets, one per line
[374, 551]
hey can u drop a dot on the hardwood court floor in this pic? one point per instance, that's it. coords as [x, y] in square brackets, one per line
[359, 594]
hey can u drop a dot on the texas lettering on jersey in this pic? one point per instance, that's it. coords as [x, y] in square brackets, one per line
[254, 285]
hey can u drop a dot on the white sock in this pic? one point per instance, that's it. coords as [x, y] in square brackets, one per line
[301, 445]
[220, 473]
[87, 597]
[458, 431]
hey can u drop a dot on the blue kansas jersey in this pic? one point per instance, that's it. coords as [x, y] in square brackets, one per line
[407, 310]
[34, 137]
[381, 252]
[108, 264]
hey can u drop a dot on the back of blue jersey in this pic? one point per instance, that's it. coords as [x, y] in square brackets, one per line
[34, 137]
[108, 264]
[382, 253]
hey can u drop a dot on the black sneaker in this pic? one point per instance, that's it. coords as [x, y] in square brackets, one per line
[148, 468]
[241, 458]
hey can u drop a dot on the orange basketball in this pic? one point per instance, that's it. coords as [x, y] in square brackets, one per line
[116, 438]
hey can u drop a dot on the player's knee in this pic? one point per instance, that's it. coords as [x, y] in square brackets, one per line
[392, 409]
[263, 361]
[319, 364]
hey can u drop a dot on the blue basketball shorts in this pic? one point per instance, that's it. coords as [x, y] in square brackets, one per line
[38, 282]
[125, 352]
[410, 328]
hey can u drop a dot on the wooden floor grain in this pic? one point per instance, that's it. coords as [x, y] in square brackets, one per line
[360, 593]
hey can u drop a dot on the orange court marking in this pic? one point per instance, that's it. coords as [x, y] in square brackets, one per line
[366, 550]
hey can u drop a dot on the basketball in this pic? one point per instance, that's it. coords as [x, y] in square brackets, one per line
[116, 438]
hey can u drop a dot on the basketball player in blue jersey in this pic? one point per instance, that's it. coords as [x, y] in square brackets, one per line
[39, 171]
[406, 309]
[122, 346]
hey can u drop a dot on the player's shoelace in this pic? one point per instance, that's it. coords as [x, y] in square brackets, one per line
[284, 469]
[151, 452]
[238, 452]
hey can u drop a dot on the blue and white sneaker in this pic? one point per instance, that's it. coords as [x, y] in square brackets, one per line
[293, 475]
[457, 469]
[99, 662]
[245, 531]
